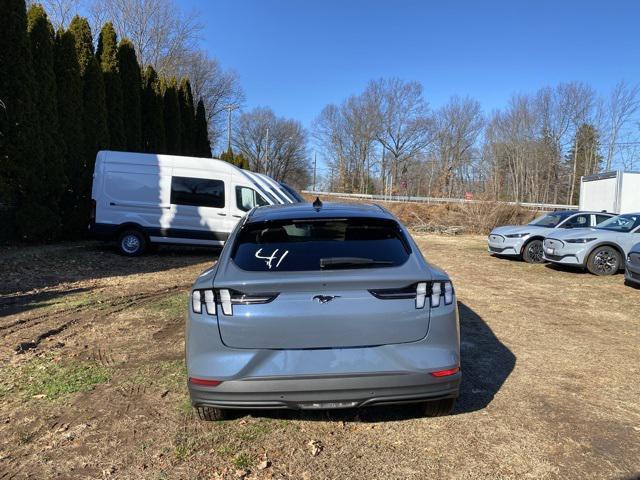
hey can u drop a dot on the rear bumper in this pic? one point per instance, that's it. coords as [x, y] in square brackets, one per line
[326, 393]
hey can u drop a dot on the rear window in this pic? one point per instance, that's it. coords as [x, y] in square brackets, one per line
[320, 244]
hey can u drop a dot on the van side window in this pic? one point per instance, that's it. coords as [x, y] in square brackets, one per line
[247, 198]
[199, 192]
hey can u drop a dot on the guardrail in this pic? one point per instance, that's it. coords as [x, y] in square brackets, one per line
[405, 198]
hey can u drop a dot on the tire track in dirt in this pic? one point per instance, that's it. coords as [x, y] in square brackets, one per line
[104, 310]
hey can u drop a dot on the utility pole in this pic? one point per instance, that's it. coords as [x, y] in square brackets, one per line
[315, 161]
[229, 108]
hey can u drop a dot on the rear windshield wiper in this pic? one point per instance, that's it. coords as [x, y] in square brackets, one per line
[342, 262]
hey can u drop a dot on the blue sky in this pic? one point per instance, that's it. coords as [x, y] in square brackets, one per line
[296, 56]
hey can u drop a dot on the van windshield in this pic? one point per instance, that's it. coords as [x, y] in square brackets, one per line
[320, 244]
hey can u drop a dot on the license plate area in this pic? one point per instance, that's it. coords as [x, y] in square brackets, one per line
[326, 405]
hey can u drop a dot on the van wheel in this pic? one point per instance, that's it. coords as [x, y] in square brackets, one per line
[132, 243]
[604, 261]
[211, 414]
[532, 252]
[439, 408]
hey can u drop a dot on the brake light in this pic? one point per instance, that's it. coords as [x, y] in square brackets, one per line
[420, 291]
[206, 296]
[446, 373]
[228, 298]
[204, 382]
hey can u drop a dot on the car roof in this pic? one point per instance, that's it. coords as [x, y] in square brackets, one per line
[572, 212]
[327, 210]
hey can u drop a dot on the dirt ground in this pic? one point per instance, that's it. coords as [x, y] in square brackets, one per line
[92, 378]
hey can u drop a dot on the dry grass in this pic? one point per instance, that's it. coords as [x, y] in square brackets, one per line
[550, 390]
[478, 218]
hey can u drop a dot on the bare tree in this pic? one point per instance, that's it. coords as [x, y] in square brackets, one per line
[214, 85]
[404, 127]
[275, 146]
[160, 31]
[623, 104]
[457, 127]
[60, 12]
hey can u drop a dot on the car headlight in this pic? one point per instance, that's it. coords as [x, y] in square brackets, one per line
[580, 240]
[517, 235]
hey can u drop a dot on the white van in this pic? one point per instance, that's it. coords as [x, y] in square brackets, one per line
[141, 199]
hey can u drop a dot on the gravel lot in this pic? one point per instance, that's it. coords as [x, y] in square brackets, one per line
[92, 378]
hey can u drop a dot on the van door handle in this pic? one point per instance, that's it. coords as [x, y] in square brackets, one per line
[222, 214]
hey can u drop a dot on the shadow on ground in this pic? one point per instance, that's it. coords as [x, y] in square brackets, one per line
[486, 364]
[34, 275]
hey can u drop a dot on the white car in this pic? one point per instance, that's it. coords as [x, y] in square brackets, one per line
[601, 250]
[525, 241]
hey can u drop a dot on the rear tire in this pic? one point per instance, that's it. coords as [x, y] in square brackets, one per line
[604, 261]
[533, 252]
[212, 414]
[439, 408]
[132, 243]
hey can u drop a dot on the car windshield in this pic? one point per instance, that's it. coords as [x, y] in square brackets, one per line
[621, 223]
[551, 220]
[320, 244]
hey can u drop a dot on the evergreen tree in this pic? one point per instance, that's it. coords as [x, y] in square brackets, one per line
[153, 140]
[107, 56]
[172, 120]
[41, 38]
[586, 155]
[227, 155]
[69, 96]
[21, 154]
[202, 146]
[187, 117]
[241, 161]
[94, 114]
[131, 90]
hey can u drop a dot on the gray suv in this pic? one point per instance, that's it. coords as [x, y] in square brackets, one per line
[321, 307]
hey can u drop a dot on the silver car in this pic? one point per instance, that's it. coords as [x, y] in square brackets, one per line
[525, 241]
[321, 307]
[601, 250]
[632, 272]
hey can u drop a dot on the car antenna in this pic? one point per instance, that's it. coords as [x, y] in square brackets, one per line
[317, 203]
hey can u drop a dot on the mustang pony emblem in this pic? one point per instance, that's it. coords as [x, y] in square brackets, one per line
[325, 298]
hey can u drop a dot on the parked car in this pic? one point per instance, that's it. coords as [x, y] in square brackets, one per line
[140, 199]
[632, 271]
[601, 250]
[321, 307]
[525, 241]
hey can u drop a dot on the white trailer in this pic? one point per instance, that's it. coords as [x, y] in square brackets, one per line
[615, 192]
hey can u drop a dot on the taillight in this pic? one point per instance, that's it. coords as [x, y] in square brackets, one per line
[204, 382]
[436, 291]
[446, 373]
[227, 298]
[206, 297]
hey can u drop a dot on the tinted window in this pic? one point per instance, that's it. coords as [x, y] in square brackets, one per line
[247, 198]
[601, 218]
[316, 244]
[579, 221]
[200, 192]
[550, 220]
[621, 223]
